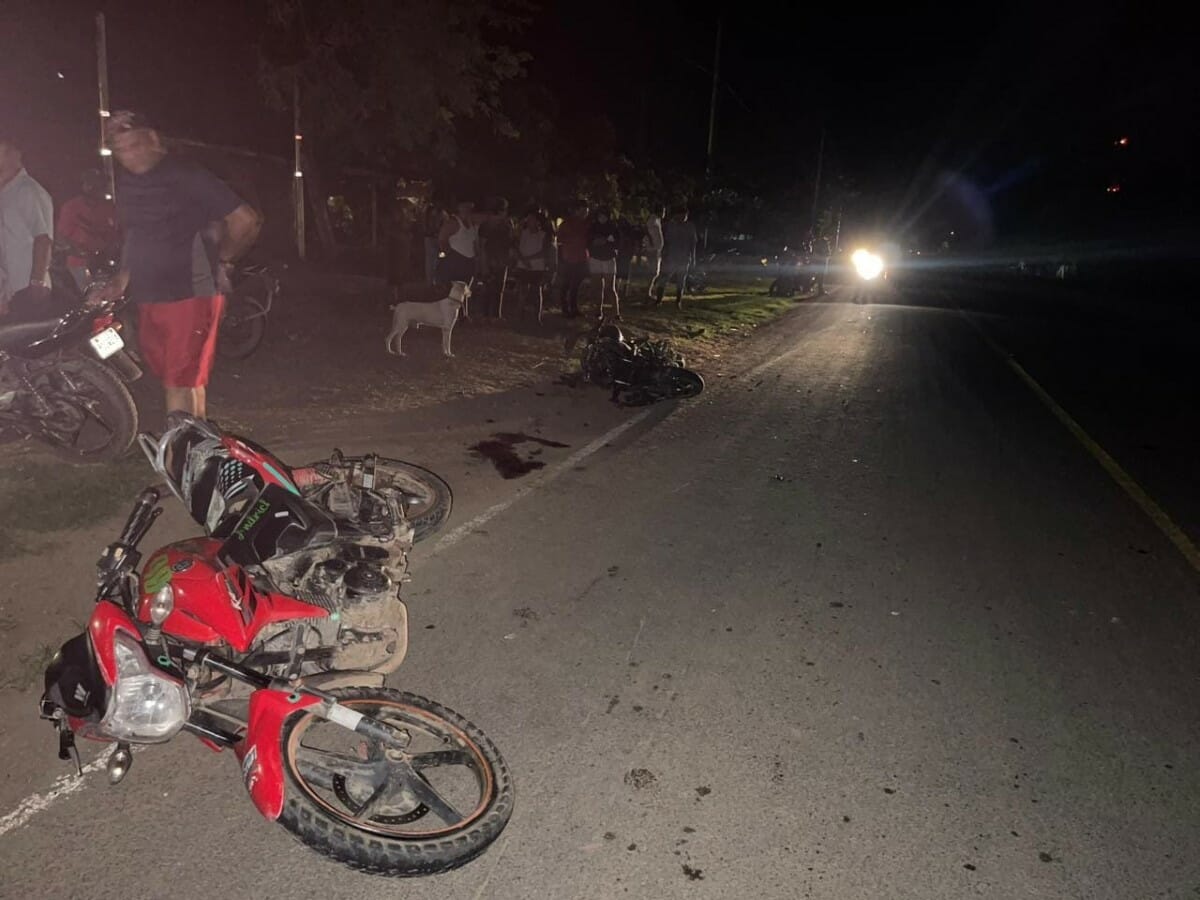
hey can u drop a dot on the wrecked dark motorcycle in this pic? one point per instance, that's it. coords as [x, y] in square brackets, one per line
[62, 383]
[270, 636]
[638, 370]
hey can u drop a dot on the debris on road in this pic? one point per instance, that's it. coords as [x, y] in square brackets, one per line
[639, 779]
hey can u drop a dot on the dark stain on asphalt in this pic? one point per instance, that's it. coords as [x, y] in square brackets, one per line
[524, 612]
[501, 451]
[640, 779]
[1045, 857]
[612, 703]
[613, 570]
[968, 867]
[693, 874]
[889, 790]
[631, 847]
[688, 829]
[609, 836]
[703, 791]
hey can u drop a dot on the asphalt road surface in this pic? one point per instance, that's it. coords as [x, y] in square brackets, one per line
[865, 620]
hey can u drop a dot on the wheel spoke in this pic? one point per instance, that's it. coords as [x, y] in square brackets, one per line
[441, 758]
[425, 793]
[320, 766]
[367, 805]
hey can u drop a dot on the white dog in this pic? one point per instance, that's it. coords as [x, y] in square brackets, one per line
[438, 314]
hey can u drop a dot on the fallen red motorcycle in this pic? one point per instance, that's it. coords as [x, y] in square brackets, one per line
[270, 636]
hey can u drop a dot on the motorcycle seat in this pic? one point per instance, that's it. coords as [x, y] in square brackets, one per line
[16, 337]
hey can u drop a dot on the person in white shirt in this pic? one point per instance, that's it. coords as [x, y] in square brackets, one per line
[654, 237]
[26, 237]
[459, 242]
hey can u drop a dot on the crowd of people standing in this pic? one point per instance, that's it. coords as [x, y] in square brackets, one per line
[542, 256]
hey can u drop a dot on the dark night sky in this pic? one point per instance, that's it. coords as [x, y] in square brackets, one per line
[1021, 100]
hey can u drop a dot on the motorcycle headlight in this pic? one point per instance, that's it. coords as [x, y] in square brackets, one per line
[868, 265]
[144, 705]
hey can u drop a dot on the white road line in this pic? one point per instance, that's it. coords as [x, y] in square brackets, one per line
[66, 785]
[453, 537]
[36, 803]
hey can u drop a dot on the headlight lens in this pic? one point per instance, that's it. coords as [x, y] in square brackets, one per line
[144, 705]
[868, 265]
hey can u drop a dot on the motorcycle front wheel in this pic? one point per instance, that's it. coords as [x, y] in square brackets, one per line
[90, 415]
[243, 327]
[430, 807]
[599, 363]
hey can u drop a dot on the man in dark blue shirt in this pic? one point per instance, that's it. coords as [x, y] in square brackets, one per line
[183, 229]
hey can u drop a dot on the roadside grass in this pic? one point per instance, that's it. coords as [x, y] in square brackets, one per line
[722, 310]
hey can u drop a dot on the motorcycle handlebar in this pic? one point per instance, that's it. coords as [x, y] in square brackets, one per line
[122, 556]
[145, 511]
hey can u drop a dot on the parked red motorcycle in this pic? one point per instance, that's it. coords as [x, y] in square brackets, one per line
[270, 635]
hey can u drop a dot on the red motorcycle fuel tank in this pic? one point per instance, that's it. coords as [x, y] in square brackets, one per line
[214, 603]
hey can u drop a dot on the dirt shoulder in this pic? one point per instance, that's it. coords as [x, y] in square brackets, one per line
[324, 358]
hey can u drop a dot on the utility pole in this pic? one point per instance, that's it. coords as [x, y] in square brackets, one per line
[712, 106]
[817, 186]
[298, 170]
[105, 111]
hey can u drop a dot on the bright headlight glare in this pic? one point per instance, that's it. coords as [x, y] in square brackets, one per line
[868, 265]
[145, 705]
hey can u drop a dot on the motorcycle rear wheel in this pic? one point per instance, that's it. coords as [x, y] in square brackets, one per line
[243, 327]
[430, 497]
[95, 419]
[427, 497]
[685, 383]
[356, 806]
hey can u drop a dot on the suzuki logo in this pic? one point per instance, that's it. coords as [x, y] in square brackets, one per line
[249, 769]
[234, 599]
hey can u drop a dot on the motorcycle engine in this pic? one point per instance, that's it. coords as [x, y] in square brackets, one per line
[356, 577]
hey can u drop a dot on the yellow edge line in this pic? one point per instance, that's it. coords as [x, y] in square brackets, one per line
[1157, 514]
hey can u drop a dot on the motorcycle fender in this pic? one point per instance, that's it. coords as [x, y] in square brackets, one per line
[259, 752]
[123, 364]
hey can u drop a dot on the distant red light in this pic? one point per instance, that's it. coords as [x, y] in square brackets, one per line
[1113, 189]
[1122, 142]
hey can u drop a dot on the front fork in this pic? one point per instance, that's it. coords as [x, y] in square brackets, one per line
[259, 748]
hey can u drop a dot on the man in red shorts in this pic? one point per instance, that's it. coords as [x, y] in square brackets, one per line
[183, 229]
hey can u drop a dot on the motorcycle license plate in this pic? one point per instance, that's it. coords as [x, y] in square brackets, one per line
[106, 342]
